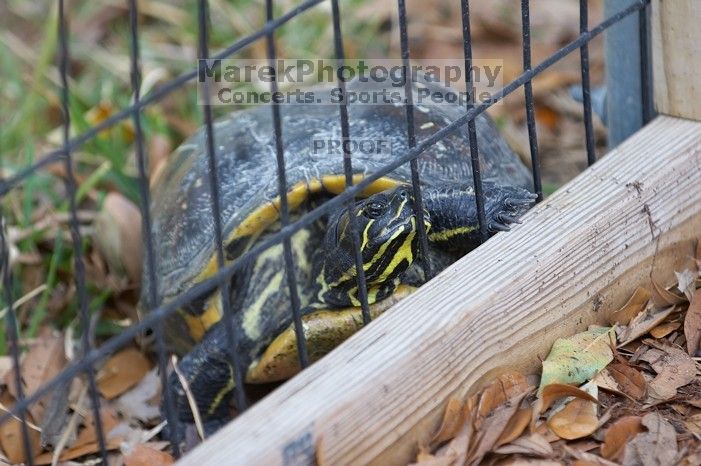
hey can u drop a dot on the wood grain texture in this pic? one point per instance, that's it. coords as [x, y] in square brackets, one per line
[676, 57]
[576, 258]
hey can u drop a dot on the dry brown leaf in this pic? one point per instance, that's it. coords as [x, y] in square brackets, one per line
[605, 380]
[457, 448]
[585, 458]
[643, 323]
[504, 388]
[686, 282]
[88, 434]
[118, 236]
[694, 402]
[674, 367]
[532, 445]
[11, 436]
[629, 380]
[664, 329]
[617, 436]
[578, 418]
[692, 324]
[515, 427]
[635, 305]
[694, 423]
[77, 452]
[5, 366]
[556, 391]
[492, 427]
[143, 455]
[141, 402]
[453, 420]
[662, 297]
[657, 447]
[530, 462]
[121, 372]
[42, 362]
[430, 460]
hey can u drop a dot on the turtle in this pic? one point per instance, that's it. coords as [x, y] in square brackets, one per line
[386, 220]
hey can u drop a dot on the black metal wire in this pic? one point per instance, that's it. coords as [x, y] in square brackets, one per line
[348, 162]
[145, 194]
[232, 333]
[411, 139]
[471, 128]
[530, 106]
[153, 97]
[282, 192]
[645, 81]
[13, 340]
[224, 274]
[70, 184]
[586, 87]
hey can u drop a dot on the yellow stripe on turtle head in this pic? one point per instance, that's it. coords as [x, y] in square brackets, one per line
[200, 323]
[267, 214]
[261, 219]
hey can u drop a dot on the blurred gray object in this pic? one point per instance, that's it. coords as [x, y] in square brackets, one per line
[623, 95]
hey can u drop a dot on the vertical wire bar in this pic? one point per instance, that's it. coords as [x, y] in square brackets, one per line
[347, 162]
[145, 195]
[282, 191]
[645, 81]
[75, 232]
[471, 128]
[586, 87]
[231, 331]
[411, 139]
[13, 339]
[530, 106]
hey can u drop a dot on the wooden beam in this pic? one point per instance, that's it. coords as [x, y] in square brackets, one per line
[676, 52]
[576, 258]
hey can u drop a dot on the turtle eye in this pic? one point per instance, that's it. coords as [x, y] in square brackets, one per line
[374, 210]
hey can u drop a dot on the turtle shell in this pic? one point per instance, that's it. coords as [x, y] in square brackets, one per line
[244, 145]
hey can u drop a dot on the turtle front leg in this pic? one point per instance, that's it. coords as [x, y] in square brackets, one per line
[210, 378]
[453, 213]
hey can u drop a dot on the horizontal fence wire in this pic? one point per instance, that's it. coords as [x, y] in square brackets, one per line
[223, 275]
[154, 96]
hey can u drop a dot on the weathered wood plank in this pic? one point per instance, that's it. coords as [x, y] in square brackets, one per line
[575, 258]
[676, 57]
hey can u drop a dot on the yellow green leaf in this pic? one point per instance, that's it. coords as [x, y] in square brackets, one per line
[579, 358]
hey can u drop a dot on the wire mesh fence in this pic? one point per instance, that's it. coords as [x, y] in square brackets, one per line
[220, 281]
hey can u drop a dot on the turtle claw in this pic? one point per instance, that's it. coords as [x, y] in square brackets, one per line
[506, 219]
[509, 204]
[519, 202]
[494, 227]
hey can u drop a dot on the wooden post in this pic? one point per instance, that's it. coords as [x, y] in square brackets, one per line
[676, 51]
[576, 258]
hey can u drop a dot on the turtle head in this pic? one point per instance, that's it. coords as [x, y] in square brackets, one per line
[387, 236]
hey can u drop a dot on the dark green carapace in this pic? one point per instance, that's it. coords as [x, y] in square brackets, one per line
[323, 254]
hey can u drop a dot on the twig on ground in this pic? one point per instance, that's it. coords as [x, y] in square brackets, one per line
[190, 398]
